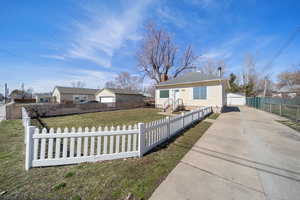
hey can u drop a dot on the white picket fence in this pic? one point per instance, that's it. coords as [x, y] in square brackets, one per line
[25, 121]
[70, 146]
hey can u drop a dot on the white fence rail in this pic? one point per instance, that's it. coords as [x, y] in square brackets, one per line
[70, 146]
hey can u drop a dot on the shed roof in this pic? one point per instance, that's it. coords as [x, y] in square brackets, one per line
[73, 90]
[120, 91]
[190, 77]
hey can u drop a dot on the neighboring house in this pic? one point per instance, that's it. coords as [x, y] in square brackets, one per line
[73, 95]
[20, 94]
[113, 96]
[287, 92]
[192, 90]
[43, 97]
[236, 99]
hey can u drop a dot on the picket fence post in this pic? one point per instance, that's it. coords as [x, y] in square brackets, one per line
[192, 116]
[25, 132]
[182, 116]
[168, 126]
[29, 147]
[141, 127]
[26, 124]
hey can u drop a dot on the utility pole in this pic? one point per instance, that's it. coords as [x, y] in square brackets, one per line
[265, 89]
[5, 93]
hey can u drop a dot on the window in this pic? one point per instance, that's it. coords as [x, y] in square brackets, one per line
[200, 92]
[164, 94]
[79, 98]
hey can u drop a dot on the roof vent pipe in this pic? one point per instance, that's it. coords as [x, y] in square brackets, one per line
[220, 72]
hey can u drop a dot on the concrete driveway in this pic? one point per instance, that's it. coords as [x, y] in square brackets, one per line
[244, 155]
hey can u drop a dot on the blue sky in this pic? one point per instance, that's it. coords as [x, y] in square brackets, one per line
[48, 43]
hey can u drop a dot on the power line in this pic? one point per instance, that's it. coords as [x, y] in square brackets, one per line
[278, 53]
[282, 48]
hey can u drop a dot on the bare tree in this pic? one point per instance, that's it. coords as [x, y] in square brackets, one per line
[250, 76]
[37, 112]
[210, 67]
[150, 90]
[78, 84]
[126, 81]
[290, 79]
[158, 58]
[110, 84]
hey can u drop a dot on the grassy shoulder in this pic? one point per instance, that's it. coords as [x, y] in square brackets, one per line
[213, 116]
[292, 124]
[101, 180]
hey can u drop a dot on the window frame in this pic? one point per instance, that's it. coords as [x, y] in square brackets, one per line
[166, 90]
[200, 95]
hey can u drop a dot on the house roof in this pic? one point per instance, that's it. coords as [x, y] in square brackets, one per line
[289, 89]
[190, 77]
[42, 95]
[72, 90]
[120, 91]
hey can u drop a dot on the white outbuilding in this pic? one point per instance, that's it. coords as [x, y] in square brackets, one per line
[236, 99]
[114, 96]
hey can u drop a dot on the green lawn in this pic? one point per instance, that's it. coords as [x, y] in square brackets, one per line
[213, 116]
[286, 111]
[292, 124]
[101, 180]
[110, 118]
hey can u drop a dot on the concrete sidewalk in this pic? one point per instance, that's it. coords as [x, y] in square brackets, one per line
[244, 155]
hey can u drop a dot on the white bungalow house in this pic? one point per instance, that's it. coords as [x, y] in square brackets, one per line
[190, 91]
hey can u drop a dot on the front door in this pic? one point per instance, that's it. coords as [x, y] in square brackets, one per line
[176, 95]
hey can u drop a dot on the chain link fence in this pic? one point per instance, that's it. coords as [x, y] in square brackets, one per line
[289, 108]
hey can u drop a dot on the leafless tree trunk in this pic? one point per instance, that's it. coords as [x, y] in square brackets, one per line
[126, 81]
[290, 79]
[210, 67]
[250, 74]
[37, 112]
[157, 57]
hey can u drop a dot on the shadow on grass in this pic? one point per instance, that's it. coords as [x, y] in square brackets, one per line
[172, 139]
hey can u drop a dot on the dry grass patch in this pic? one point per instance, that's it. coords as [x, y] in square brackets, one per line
[110, 118]
[292, 124]
[213, 116]
[107, 180]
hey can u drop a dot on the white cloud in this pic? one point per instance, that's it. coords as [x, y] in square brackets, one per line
[204, 3]
[98, 36]
[91, 78]
[168, 16]
[56, 57]
[210, 4]
[223, 50]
